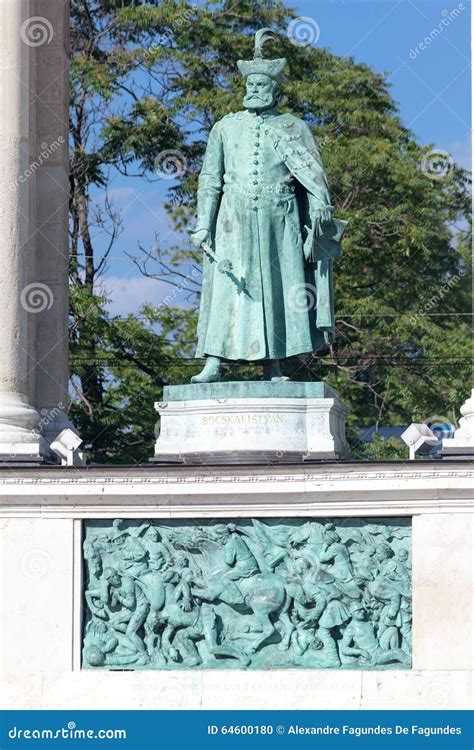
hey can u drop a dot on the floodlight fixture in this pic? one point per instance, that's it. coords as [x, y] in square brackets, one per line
[66, 447]
[420, 440]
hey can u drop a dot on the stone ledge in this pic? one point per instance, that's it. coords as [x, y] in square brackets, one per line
[247, 389]
[277, 690]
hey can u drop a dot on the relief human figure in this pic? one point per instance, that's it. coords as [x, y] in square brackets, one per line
[125, 592]
[185, 628]
[93, 556]
[359, 642]
[365, 564]
[237, 554]
[97, 588]
[182, 593]
[100, 644]
[389, 586]
[159, 555]
[335, 556]
[396, 568]
[394, 589]
[269, 544]
[301, 631]
[133, 555]
[328, 611]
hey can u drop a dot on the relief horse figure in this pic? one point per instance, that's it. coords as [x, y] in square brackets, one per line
[231, 575]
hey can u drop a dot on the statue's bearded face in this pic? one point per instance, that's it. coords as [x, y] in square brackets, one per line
[260, 92]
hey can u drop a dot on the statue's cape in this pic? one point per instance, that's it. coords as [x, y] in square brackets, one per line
[296, 146]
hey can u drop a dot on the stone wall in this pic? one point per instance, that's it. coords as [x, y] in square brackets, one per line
[41, 519]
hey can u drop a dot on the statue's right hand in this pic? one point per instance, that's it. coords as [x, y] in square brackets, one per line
[200, 237]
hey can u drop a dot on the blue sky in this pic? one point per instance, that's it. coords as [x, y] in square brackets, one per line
[424, 45]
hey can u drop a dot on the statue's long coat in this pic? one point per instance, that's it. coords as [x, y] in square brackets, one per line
[262, 181]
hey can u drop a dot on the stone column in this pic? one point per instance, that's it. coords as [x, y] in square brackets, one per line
[19, 437]
[52, 210]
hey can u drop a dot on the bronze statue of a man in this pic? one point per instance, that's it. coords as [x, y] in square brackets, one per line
[265, 223]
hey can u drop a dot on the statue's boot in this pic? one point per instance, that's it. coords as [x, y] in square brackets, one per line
[211, 372]
[271, 370]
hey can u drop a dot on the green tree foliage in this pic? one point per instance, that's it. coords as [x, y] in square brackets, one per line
[150, 77]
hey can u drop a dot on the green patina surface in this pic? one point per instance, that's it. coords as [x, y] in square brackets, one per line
[248, 594]
[247, 389]
[265, 224]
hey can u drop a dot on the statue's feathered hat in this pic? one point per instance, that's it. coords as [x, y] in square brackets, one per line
[272, 68]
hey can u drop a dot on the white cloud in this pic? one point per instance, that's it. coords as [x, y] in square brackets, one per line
[461, 151]
[128, 294]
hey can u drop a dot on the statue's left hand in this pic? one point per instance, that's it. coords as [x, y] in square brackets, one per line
[321, 216]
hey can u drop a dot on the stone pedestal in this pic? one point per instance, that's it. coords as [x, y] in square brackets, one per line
[250, 422]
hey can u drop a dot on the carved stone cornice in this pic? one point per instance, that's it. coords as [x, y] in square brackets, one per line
[384, 488]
